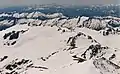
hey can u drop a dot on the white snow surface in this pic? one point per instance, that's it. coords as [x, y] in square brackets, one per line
[47, 47]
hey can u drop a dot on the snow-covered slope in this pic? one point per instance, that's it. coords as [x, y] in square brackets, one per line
[59, 44]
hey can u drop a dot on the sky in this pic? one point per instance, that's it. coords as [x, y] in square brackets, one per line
[7, 3]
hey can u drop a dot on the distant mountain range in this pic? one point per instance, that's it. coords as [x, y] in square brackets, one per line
[69, 10]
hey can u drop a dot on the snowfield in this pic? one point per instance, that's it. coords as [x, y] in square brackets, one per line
[59, 45]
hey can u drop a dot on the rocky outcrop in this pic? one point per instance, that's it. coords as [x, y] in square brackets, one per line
[19, 66]
[94, 51]
[72, 40]
[11, 38]
[103, 57]
[3, 58]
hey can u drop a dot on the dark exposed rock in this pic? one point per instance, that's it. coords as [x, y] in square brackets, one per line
[110, 30]
[72, 40]
[13, 36]
[63, 31]
[40, 67]
[9, 67]
[69, 39]
[72, 43]
[112, 57]
[78, 59]
[89, 37]
[13, 43]
[7, 35]
[93, 50]
[43, 59]
[49, 56]
[107, 33]
[15, 64]
[19, 66]
[2, 59]
[30, 65]
[59, 29]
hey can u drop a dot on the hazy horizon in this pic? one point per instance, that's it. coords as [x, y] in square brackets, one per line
[8, 3]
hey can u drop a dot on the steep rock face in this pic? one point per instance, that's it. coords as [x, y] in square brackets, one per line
[95, 24]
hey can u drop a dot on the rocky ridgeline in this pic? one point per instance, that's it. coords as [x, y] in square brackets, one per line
[93, 49]
[72, 40]
[104, 26]
[59, 20]
[104, 57]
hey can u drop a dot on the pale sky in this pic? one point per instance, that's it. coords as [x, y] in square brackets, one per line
[75, 2]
